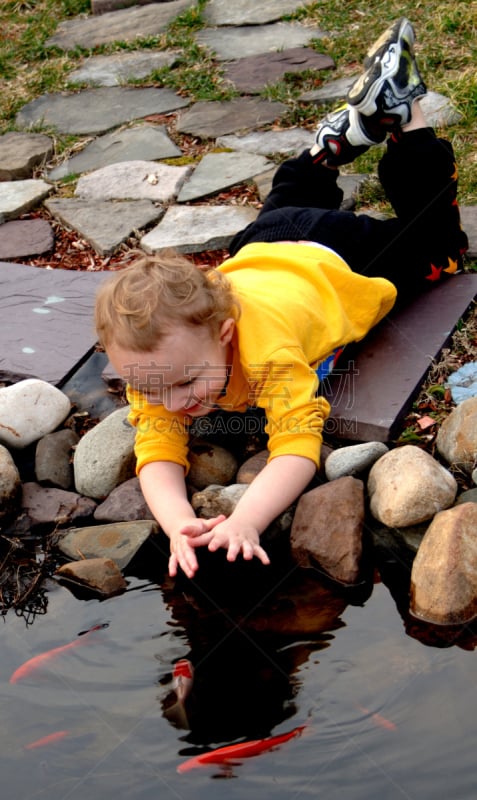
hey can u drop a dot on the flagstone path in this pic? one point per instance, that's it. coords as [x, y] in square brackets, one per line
[122, 189]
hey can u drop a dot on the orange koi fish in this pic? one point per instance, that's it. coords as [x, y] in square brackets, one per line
[232, 752]
[34, 663]
[182, 678]
[45, 740]
[383, 722]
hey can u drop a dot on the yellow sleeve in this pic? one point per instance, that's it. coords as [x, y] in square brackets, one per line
[160, 435]
[285, 387]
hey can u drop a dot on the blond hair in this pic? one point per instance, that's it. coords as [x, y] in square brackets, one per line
[143, 302]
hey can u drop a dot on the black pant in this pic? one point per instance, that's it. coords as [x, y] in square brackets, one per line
[424, 243]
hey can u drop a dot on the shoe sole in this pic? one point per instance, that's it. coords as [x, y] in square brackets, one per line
[364, 92]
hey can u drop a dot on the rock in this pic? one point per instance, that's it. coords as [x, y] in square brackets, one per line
[28, 410]
[439, 111]
[18, 197]
[54, 457]
[463, 382]
[407, 486]
[101, 575]
[219, 171]
[98, 466]
[252, 466]
[250, 75]
[119, 541]
[20, 153]
[353, 460]
[215, 500]
[210, 463]
[133, 180]
[125, 503]
[209, 119]
[327, 529]
[10, 484]
[444, 572]
[245, 40]
[120, 67]
[474, 475]
[20, 238]
[47, 506]
[330, 92]
[223, 12]
[456, 439]
[470, 496]
[288, 142]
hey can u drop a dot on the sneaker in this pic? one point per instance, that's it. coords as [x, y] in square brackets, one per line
[341, 137]
[384, 93]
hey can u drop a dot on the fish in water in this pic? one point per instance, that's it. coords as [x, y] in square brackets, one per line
[46, 740]
[378, 719]
[233, 753]
[30, 666]
[182, 678]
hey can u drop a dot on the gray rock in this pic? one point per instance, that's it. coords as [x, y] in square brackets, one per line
[125, 503]
[119, 541]
[104, 224]
[468, 216]
[28, 410]
[133, 180]
[470, 496]
[444, 572]
[20, 238]
[193, 229]
[54, 459]
[456, 439]
[210, 464]
[47, 506]
[97, 110]
[99, 467]
[223, 12]
[330, 92]
[407, 486]
[287, 142]
[219, 171]
[18, 197]
[327, 529]
[474, 475]
[121, 67]
[125, 25]
[216, 499]
[20, 153]
[100, 575]
[439, 111]
[238, 42]
[250, 75]
[216, 118]
[252, 467]
[463, 382]
[353, 460]
[143, 142]
[10, 484]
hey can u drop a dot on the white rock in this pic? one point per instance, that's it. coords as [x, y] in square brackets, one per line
[30, 409]
[104, 457]
[407, 486]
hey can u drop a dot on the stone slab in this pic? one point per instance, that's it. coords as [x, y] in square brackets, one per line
[439, 111]
[287, 142]
[121, 67]
[196, 229]
[97, 110]
[250, 75]
[102, 6]
[219, 171]
[105, 225]
[216, 118]
[18, 197]
[144, 142]
[330, 92]
[224, 12]
[20, 238]
[468, 216]
[373, 389]
[229, 44]
[46, 329]
[133, 180]
[20, 153]
[124, 25]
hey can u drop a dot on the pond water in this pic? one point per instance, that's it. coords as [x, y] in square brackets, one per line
[388, 704]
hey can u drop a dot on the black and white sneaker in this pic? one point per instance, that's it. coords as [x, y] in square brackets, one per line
[384, 93]
[341, 137]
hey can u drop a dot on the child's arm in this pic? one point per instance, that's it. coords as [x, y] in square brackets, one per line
[275, 488]
[163, 487]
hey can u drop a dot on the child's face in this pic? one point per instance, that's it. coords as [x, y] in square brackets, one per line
[186, 373]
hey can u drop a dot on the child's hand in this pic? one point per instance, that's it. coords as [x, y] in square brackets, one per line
[237, 538]
[192, 534]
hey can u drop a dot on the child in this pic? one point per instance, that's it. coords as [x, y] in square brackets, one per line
[303, 280]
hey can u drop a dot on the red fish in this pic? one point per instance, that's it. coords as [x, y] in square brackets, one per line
[34, 663]
[182, 678]
[383, 722]
[232, 752]
[45, 740]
